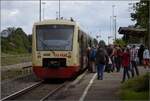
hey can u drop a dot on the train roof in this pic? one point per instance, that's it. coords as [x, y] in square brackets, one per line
[54, 21]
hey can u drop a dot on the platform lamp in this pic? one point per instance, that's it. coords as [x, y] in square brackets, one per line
[39, 10]
[43, 4]
[109, 37]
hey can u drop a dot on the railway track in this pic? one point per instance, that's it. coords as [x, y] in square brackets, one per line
[39, 91]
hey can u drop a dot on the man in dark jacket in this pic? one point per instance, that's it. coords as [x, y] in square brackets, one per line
[101, 59]
[140, 54]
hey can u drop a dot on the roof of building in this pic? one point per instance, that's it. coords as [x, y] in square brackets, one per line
[132, 31]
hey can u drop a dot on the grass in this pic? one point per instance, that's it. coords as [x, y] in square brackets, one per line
[132, 95]
[136, 88]
[10, 74]
[14, 73]
[7, 59]
[10, 59]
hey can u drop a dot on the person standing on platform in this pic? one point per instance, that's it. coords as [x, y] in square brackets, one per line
[125, 64]
[110, 51]
[88, 57]
[93, 58]
[119, 56]
[101, 59]
[133, 58]
[146, 57]
[140, 54]
[113, 58]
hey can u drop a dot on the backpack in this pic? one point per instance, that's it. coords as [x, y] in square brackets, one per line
[93, 53]
[101, 58]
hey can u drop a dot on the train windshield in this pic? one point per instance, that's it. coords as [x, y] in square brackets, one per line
[54, 37]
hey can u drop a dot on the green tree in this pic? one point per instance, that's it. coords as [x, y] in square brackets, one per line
[120, 42]
[16, 42]
[141, 16]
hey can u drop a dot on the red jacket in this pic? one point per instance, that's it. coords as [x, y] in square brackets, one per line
[125, 59]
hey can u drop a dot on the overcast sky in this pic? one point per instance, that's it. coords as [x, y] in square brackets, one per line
[93, 16]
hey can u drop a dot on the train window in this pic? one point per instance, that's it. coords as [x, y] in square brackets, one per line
[54, 37]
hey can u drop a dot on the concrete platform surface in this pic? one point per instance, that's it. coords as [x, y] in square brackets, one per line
[91, 89]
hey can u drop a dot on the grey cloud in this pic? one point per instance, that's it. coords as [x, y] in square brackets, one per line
[92, 15]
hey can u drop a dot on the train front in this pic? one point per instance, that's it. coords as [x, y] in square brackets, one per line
[53, 49]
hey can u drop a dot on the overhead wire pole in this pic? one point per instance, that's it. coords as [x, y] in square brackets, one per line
[111, 28]
[110, 25]
[115, 27]
[40, 10]
[43, 3]
[59, 9]
[113, 21]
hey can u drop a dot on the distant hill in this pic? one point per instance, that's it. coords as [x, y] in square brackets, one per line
[17, 41]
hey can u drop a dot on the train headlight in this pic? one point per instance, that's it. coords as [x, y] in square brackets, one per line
[69, 55]
[38, 55]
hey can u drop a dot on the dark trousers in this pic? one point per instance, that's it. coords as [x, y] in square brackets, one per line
[113, 63]
[100, 71]
[125, 73]
[134, 68]
[118, 63]
[141, 60]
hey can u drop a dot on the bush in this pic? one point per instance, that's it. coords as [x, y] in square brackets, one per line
[136, 88]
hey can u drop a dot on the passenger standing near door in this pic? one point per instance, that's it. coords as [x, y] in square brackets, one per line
[101, 59]
[93, 58]
[88, 58]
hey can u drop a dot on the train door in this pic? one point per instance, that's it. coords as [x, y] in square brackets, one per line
[80, 41]
[82, 49]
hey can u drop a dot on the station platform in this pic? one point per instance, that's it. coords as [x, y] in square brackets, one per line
[89, 88]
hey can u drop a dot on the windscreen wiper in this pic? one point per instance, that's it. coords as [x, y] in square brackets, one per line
[46, 45]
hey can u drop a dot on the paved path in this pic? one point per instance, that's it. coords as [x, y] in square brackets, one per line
[108, 88]
[91, 89]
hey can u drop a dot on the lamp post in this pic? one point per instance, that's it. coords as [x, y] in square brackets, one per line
[43, 4]
[57, 15]
[40, 10]
[114, 22]
[109, 38]
[59, 10]
[98, 36]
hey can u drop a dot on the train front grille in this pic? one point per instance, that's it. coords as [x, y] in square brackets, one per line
[54, 62]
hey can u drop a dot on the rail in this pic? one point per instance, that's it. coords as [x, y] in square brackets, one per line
[33, 87]
[22, 91]
[53, 92]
